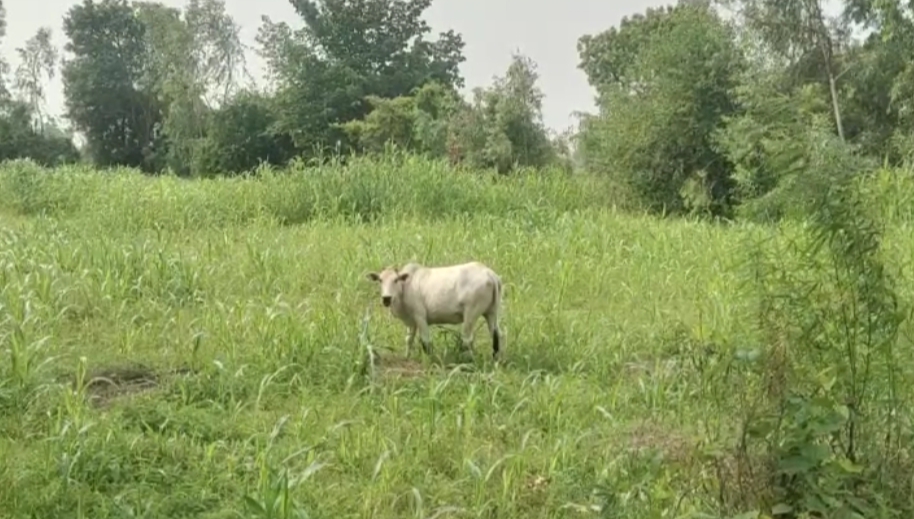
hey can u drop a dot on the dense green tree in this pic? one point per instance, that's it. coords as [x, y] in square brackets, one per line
[240, 135]
[143, 78]
[24, 131]
[196, 58]
[665, 83]
[391, 121]
[346, 52]
[418, 122]
[107, 97]
[807, 76]
[769, 140]
[170, 75]
[881, 77]
[501, 128]
[801, 33]
[435, 106]
[504, 126]
[609, 58]
[21, 138]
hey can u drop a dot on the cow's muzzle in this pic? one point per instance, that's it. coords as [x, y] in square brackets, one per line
[385, 300]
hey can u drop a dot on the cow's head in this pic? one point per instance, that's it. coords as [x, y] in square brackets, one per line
[391, 283]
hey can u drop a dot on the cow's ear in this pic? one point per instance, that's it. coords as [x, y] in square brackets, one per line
[403, 277]
[372, 276]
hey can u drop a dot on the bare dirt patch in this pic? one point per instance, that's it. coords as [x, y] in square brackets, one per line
[395, 365]
[390, 365]
[106, 384]
[674, 445]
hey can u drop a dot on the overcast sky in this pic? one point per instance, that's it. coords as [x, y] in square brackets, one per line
[547, 31]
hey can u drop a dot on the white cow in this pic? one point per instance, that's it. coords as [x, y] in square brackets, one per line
[457, 294]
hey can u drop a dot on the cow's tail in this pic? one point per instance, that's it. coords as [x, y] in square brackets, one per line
[497, 289]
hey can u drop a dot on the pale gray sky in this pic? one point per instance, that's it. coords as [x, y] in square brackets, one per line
[546, 31]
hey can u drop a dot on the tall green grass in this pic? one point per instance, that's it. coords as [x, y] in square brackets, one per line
[177, 348]
[362, 191]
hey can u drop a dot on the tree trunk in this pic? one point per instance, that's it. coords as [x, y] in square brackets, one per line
[827, 47]
[833, 90]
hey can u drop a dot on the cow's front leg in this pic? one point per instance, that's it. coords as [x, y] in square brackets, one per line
[410, 339]
[425, 336]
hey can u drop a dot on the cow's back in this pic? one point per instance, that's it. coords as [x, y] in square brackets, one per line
[446, 291]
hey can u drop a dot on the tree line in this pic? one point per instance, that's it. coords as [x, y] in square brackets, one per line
[703, 106]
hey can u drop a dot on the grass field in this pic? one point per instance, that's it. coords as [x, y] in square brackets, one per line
[198, 348]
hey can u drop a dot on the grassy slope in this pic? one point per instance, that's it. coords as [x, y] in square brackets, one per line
[253, 328]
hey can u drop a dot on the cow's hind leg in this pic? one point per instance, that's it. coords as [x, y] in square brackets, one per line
[466, 332]
[492, 320]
